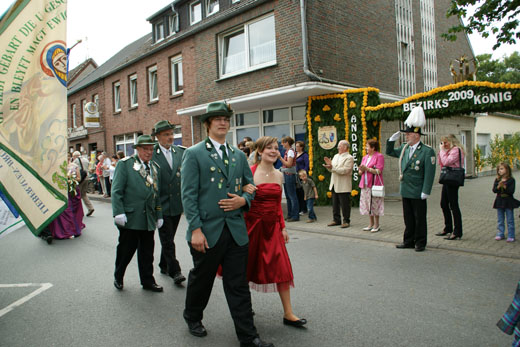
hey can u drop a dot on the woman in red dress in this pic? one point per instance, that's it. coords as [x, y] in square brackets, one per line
[269, 268]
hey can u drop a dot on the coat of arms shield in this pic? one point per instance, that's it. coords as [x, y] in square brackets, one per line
[327, 137]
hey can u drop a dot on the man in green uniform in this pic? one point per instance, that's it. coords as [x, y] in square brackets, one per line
[169, 158]
[213, 174]
[137, 211]
[416, 173]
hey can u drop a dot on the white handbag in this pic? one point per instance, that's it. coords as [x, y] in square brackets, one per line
[378, 191]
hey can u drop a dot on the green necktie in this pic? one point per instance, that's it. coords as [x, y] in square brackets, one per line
[224, 157]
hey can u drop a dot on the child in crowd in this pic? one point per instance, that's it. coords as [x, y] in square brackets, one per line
[310, 194]
[504, 187]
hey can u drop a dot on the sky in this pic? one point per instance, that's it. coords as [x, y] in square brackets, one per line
[105, 27]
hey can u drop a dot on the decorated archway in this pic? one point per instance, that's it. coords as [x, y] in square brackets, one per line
[356, 115]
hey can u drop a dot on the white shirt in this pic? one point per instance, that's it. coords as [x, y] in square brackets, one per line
[167, 154]
[412, 149]
[217, 147]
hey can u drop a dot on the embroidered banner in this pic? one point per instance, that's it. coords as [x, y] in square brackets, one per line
[33, 109]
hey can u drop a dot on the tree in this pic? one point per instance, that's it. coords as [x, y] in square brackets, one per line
[487, 19]
[505, 70]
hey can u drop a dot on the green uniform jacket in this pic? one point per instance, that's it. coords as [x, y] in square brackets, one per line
[133, 196]
[170, 180]
[418, 172]
[205, 182]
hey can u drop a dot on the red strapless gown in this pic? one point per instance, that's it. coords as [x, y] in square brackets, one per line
[268, 262]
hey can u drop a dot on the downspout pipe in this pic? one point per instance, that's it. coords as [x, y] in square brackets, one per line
[309, 73]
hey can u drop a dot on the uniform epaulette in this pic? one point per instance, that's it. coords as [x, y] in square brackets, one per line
[183, 147]
[126, 158]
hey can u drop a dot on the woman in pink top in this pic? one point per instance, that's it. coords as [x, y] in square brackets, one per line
[451, 154]
[371, 171]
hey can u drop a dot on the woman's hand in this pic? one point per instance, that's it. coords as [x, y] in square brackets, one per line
[249, 188]
[285, 235]
[362, 168]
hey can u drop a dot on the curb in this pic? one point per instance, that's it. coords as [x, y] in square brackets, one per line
[378, 239]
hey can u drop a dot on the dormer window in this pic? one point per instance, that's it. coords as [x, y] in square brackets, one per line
[159, 31]
[195, 12]
[212, 7]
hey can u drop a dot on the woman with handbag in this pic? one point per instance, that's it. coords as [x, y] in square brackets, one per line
[450, 157]
[371, 170]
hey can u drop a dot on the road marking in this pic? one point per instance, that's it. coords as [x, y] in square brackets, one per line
[42, 287]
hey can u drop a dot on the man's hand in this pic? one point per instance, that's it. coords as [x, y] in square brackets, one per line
[395, 136]
[249, 188]
[328, 162]
[198, 241]
[424, 196]
[120, 219]
[160, 223]
[233, 203]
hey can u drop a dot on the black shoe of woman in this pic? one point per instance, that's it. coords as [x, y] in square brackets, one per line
[453, 237]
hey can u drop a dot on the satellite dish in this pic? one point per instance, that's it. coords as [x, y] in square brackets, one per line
[91, 108]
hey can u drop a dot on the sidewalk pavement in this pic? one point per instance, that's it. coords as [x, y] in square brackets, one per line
[479, 221]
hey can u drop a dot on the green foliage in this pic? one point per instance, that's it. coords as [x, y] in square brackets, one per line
[486, 20]
[505, 150]
[477, 156]
[504, 70]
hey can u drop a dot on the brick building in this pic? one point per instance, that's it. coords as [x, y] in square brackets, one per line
[265, 57]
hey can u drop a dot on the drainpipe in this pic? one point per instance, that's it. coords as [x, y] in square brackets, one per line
[312, 75]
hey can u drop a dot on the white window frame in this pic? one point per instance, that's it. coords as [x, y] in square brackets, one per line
[248, 68]
[117, 96]
[192, 6]
[74, 125]
[159, 34]
[127, 139]
[152, 71]
[177, 76]
[216, 9]
[173, 22]
[83, 104]
[234, 1]
[177, 133]
[132, 80]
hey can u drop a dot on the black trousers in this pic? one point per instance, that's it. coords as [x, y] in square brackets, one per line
[450, 206]
[233, 259]
[168, 262]
[130, 241]
[301, 200]
[340, 200]
[414, 212]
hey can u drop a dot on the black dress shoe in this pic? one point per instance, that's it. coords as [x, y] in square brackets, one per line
[403, 245]
[154, 287]
[197, 329]
[444, 233]
[295, 323]
[178, 278]
[256, 343]
[420, 248]
[118, 284]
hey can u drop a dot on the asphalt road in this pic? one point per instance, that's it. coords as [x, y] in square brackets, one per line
[353, 293]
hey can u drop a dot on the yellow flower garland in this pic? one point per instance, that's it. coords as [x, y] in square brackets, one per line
[444, 89]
